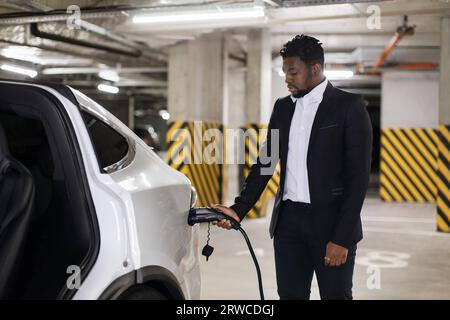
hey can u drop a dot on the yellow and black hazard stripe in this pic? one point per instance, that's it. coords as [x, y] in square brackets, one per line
[409, 161]
[254, 139]
[178, 142]
[187, 143]
[443, 180]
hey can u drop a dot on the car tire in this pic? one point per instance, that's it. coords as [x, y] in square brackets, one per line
[142, 293]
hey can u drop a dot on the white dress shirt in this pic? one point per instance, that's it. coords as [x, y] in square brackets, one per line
[296, 186]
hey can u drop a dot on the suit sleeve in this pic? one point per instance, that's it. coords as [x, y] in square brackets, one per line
[260, 172]
[357, 157]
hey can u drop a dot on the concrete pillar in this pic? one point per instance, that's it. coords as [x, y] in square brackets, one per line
[409, 99]
[258, 100]
[443, 179]
[197, 95]
[249, 96]
[196, 79]
[234, 117]
[409, 119]
[259, 76]
[204, 84]
[444, 93]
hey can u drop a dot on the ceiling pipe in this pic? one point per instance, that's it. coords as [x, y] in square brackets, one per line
[102, 56]
[138, 48]
[402, 31]
[122, 40]
[418, 66]
[34, 29]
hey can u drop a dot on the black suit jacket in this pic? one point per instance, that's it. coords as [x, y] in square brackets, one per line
[338, 162]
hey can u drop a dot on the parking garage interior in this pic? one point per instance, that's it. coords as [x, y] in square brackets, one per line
[227, 74]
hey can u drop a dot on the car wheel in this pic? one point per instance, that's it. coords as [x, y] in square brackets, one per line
[142, 293]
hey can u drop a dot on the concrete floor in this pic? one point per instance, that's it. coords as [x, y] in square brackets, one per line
[401, 257]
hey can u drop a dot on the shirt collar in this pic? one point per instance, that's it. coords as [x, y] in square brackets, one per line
[315, 95]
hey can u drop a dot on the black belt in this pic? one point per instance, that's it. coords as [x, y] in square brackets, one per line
[296, 203]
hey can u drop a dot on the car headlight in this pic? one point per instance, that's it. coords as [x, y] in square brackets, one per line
[193, 196]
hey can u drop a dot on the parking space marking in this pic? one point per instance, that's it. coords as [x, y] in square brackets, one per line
[398, 219]
[259, 252]
[384, 259]
[408, 232]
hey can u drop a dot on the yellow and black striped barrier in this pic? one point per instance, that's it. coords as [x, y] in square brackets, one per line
[194, 153]
[255, 136]
[443, 180]
[415, 167]
[409, 161]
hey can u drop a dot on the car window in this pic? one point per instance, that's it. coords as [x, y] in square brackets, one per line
[110, 146]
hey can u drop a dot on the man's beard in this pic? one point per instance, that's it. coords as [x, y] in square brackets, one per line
[301, 93]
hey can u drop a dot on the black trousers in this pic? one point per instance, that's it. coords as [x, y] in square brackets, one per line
[298, 254]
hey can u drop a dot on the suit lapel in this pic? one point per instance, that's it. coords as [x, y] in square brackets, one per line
[289, 113]
[322, 113]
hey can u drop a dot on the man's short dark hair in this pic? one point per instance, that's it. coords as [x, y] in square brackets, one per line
[308, 49]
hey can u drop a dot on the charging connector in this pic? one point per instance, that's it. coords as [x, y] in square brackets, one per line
[207, 214]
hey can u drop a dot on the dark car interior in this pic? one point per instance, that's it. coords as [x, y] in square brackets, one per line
[17, 194]
[45, 224]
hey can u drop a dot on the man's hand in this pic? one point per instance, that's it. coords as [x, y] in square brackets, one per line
[229, 212]
[336, 255]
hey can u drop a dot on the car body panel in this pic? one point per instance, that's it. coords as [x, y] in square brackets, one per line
[141, 210]
[157, 199]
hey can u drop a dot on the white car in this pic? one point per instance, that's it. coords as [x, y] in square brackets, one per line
[87, 209]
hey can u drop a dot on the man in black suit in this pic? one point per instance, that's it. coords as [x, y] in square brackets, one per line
[325, 141]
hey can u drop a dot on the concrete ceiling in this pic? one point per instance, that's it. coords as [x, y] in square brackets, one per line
[339, 21]
[341, 27]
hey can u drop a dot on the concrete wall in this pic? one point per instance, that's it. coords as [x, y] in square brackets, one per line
[444, 115]
[259, 60]
[409, 118]
[235, 118]
[196, 79]
[279, 88]
[410, 99]
[237, 88]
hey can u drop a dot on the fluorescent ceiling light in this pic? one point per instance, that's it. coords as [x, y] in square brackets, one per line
[109, 75]
[107, 88]
[29, 54]
[164, 114]
[338, 74]
[20, 70]
[42, 57]
[200, 15]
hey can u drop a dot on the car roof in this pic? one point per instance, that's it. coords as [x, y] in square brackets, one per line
[80, 100]
[64, 90]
